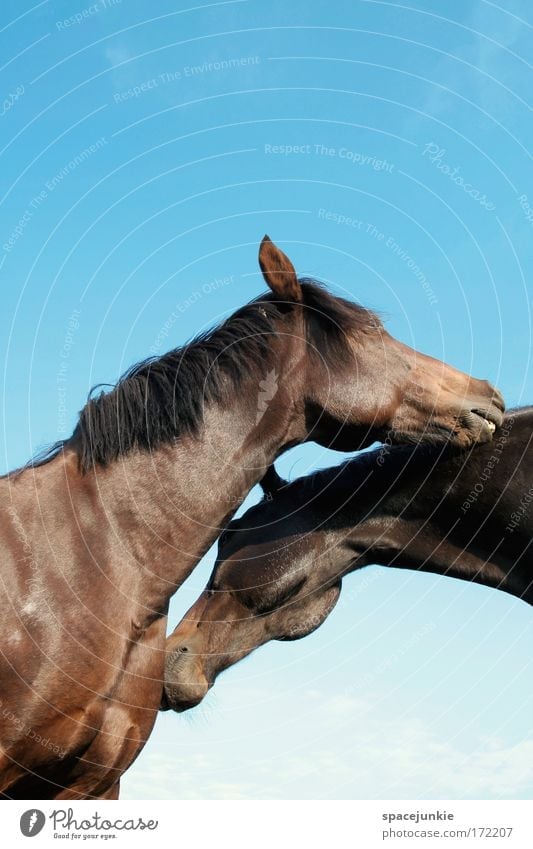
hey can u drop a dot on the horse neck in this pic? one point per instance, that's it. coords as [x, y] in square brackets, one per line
[405, 530]
[168, 507]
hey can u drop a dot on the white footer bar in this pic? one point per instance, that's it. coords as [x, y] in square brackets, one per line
[271, 824]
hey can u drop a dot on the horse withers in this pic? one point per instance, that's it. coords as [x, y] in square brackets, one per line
[280, 567]
[99, 534]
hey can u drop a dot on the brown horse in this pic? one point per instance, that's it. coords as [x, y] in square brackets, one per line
[100, 532]
[280, 567]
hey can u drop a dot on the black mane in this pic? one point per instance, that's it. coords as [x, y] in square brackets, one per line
[160, 399]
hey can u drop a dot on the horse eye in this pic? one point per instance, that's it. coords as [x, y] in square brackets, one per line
[264, 600]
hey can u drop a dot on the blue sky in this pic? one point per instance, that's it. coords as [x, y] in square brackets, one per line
[385, 146]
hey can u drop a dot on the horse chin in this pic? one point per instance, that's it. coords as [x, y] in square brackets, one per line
[462, 435]
[179, 700]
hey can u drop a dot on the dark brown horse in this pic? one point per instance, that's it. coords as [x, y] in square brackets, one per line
[99, 534]
[280, 567]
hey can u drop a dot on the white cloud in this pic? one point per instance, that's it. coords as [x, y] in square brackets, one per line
[382, 757]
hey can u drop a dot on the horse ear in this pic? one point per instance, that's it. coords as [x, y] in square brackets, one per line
[271, 483]
[279, 272]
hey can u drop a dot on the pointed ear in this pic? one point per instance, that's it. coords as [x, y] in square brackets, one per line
[279, 272]
[271, 483]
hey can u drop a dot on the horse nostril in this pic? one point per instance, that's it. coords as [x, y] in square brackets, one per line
[183, 649]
